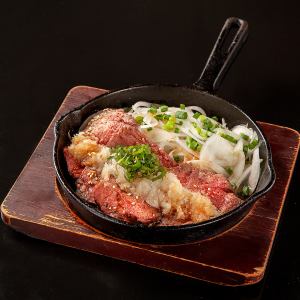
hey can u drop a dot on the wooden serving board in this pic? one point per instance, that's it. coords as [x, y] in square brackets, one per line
[237, 257]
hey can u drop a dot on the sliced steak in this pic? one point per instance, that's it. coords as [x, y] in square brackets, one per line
[114, 127]
[215, 186]
[113, 201]
[123, 206]
[163, 156]
[74, 166]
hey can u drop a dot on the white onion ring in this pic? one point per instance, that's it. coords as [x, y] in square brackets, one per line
[198, 109]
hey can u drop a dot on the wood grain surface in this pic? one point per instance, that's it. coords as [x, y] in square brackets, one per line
[237, 257]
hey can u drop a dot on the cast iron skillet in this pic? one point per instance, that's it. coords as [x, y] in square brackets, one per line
[234, 34]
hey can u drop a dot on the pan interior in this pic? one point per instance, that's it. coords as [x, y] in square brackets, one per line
[172, 96]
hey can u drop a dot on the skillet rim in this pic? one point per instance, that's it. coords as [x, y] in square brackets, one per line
[97, 212]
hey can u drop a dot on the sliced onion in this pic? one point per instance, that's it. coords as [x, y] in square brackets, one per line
[243, 176]
[240, 164]
[198, 109]
[186, 148]
[239, 129]
[255, 170]
[191, 134]
[159, 136]
[141, 104]
[224, 123]
[218, 150]
[216, 154]
[149, 121]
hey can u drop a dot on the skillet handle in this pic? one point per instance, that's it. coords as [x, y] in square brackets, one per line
[223, 54]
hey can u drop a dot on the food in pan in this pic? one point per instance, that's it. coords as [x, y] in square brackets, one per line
[160, 165]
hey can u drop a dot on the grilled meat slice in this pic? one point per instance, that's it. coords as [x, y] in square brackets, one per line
[215, 186]
[113, 201]
[74, 166]
[113, 127]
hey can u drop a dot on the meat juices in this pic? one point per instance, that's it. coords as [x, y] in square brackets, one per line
[113, 127]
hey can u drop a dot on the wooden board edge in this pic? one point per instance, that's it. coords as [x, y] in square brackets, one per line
[296, 132]
[235, 278]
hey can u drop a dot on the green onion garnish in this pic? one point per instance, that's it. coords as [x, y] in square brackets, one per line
[179, 122]
[164, 108]
[193, 144]
[253, 144]
[181, 115]
[149, 129]
[229, 138]
[245, 191]
[176, 130]
[196, 115]
[228, 170]
[152, 110]
[138, 162]
[170, 124]
[139, 119]
[203, 133]
[215, 118]
[182, 106]
[245, 136]
[162, 117]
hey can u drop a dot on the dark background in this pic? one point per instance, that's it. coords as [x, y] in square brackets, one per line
[48, 47]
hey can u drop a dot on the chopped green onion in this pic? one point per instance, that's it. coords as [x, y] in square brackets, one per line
[179, 122]
[215, 118]
[158, 117]
[139, 119]
[229, 138]
[164, 108]
[202, 132]
[176, 130]
[162, 117]
[196, 115]
[202, 118]
[182, 106]
[178, 158]
[228, 170]
[245, 149]
[253, 144]
[193, 144]
[152, 110]
[149, 129]
[207, 123]
[181, 115]
[166, 117]
[245, 191]
[170, 124]
[245, 136]
[138, 161]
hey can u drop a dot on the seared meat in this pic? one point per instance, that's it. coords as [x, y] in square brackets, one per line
[215, 186]
[113, 127]
[88, 153]
[113, 201]
[163, 156]
[74, 166]
[123, 206]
